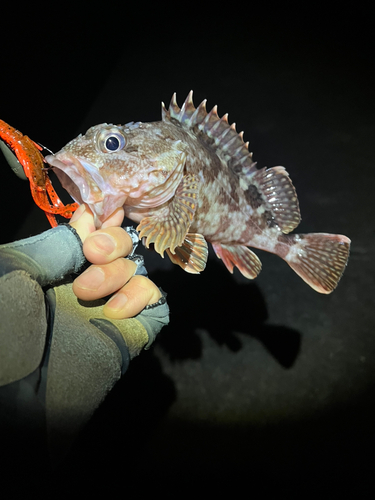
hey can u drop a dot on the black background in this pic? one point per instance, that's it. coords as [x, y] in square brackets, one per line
[263, 383]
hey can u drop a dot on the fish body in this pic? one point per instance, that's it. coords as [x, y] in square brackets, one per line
[189, 179]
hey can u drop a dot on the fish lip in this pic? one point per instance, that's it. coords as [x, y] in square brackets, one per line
[85, 184]
[71, 173]
[70, 165]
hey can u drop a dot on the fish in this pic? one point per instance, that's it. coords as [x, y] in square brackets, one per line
[190, 179]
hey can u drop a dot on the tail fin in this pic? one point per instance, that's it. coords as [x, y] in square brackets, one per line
[319, 258]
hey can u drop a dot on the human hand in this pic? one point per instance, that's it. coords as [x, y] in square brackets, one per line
[110, 273]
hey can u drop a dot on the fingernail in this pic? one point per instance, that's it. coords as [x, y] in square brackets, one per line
[91, 279]
[117, 302]
[104, 243]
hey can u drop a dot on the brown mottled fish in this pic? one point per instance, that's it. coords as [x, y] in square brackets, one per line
[189, 179]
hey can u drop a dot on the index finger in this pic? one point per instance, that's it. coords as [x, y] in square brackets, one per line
[83, 221]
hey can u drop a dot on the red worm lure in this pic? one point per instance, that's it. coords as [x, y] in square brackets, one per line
[30, 157]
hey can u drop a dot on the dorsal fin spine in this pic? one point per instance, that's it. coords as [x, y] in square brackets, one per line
[228, 144]
[219, 129]
[174, 110]
[245, 158]
[200, 111]
[187, 109]
[182, 112]
[215, 126]
[225, 132]
[225, 136]
[164, 111]
[210, 118]
[238, 150]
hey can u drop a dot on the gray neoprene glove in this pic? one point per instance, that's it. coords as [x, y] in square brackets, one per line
[59, 356]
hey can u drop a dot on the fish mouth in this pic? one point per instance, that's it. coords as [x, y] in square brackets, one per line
[83, 182]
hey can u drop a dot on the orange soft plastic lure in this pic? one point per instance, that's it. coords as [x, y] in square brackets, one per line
[30, 157]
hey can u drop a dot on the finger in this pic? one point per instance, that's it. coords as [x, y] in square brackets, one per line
[78, 213]
[83, 220]
[99, 281]
[115, 219]
[106, 245]
[138, 293]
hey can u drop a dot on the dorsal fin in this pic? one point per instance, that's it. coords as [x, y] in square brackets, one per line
[219, 133]
[279, 196]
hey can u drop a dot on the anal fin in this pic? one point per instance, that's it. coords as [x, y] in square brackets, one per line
[192, 254]
[240, 256]
[168, 226]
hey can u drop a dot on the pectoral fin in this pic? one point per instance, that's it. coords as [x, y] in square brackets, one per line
[192, 254]
[168, 227]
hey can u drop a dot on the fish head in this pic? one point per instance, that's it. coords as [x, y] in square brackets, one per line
[111, 166]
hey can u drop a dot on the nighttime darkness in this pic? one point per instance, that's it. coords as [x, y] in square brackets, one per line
[261, 384]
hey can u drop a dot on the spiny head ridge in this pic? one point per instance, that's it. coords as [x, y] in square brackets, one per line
[219, 132]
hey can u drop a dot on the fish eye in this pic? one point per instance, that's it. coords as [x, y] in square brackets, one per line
[111, 141]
